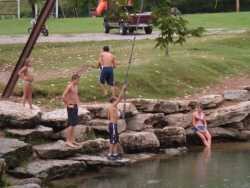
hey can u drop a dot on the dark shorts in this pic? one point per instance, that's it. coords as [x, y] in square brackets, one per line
[199, 128]
[107, 76]
[72, 115]
[113, 133]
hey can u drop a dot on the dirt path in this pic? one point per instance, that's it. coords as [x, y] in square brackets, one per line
[20, 39]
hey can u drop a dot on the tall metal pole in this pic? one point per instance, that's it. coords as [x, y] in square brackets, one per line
[57, 5]
[28, 47]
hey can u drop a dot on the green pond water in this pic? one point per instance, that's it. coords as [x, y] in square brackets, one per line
[225, 166]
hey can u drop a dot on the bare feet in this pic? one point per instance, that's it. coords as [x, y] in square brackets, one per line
[70, 145]
[76, 144]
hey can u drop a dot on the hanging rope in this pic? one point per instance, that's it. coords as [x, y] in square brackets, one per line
[131, 59]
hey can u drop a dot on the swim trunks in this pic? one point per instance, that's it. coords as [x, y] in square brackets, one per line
[107, 76]
[113, 133]
[72, 115]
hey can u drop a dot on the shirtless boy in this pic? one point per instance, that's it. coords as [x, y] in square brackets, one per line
[71, 101]
[113, 116]
[107, 63]
[25, 75]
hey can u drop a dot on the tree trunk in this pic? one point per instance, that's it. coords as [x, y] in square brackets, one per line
[167, 50]
[237, 5]
[33, 9]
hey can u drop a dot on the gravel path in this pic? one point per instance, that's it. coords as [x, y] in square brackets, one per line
[20, 39]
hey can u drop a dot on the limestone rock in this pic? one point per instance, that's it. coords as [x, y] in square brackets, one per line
[245, 135]
[211, 101]
[220, 133]
[175, 151]
[31, 135]
[94, 146]
[19, 182]
[30, 185]
[227, 115]
[51, 169]
[14, 151]
[161, 106]
[237, 95]
[134, 142]
[171, 136]
[15, 115]
[145, 121]
[91, 161]
[57, 119]
[179, 120]
[81, 132]
[100, 111]
[56, 150]
[101, 125]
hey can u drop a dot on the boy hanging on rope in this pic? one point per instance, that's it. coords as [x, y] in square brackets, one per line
[113, 116]
[71, 101]
[107, 63]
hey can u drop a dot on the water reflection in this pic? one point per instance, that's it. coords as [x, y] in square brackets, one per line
[201, 167]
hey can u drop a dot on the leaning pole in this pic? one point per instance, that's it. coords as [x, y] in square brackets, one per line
[49, 5]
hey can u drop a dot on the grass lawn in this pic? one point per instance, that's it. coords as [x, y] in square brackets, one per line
[94, 25]
[200, 62]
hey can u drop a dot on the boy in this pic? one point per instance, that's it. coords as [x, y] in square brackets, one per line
[71, 101]
[107, 63]
[113, 116]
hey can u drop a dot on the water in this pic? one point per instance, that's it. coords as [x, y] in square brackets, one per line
[225, 166]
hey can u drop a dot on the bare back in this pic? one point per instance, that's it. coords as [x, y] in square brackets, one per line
[107, 60]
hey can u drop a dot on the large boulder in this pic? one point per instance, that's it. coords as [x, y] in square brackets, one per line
[50, 169]
[81, 133]
[219, 134]
[237, 95]
[56, 150]
[171, 136]
[179, 120]
[31, 135]
[211, 101]
[57, 119]
[161, 106]
[100, 126]
[15, 115]
[14, 151]
[146, 121]
[228, 115]
[94, 146]
[134, 142]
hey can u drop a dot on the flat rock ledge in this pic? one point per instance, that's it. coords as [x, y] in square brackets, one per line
[14, 151]
[50, 169]
[29, 185]
[15, 115]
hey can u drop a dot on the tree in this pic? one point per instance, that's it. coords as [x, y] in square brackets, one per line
[173, 28]
[237, 5]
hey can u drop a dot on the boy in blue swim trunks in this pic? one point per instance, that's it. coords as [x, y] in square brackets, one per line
[113, 117]
[107, 63]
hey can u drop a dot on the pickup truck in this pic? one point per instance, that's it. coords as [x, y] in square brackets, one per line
[128, 21]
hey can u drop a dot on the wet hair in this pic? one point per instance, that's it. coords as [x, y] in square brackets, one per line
[112, 99]
[106, 49]
[75, 77]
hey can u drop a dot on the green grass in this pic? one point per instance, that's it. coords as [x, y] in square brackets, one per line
[199, 63]
[94, 25]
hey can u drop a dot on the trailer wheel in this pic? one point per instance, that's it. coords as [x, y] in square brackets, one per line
[148, 30]
[123, 30]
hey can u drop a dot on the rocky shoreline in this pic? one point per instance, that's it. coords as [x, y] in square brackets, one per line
[33, 151]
